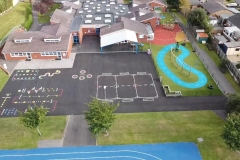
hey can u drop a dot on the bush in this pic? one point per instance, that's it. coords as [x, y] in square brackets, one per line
[29, 18]
[231, 132]
[233, 103]
[5, 4]
[238, 66]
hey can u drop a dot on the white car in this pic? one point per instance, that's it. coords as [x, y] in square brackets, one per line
[232, 5]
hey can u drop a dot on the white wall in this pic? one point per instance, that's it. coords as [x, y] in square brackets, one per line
[232, 51]
[15, 2]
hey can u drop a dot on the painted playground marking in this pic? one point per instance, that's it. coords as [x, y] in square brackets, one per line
[116, 86]
[22, 75]
[82, 71]
[74, 76]
[82, 75]
[202, 79]
[49, 74]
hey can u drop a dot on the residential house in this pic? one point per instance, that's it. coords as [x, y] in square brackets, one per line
[153, 4]
[232, 51]
[232, 29]
[126, 30]
[214, 8]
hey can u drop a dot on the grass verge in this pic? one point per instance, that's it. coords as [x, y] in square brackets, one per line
[217, 62]
[181, 17]
[15, 136]
[141, 128]
[15, 16]
[46, 17]
[194, 62]
[3, 79]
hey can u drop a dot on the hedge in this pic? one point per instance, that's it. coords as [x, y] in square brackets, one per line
[5, 4]
[29, 18]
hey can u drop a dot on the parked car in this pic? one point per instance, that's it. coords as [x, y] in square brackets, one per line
[232, 5]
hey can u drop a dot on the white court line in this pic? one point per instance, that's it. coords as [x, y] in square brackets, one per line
[135, 85]
[148, 99]
[2, 111]
[107, 100]
[141, 73]
[116, 86]
[124, 73]
[154, 86]
[101, 158]
[97, 87]
[68, 153]
[106, 74]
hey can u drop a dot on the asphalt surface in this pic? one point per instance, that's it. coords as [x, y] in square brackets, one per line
[64, 95]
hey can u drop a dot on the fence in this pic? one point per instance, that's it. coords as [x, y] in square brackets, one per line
[2, 42]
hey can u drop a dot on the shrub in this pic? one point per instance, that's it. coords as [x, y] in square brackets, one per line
[29, 19]
[233, 103]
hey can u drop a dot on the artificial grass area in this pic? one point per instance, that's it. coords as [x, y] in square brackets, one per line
[15, 16]
[194, 62]
[141, 128]
[15, 136]
[167, 18]
[181, 17]
[217, 62]
[3, 79]
[46, 17]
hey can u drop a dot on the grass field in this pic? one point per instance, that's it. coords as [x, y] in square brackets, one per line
[46, 17]
[15, 136]
[141, 128]
[14, 17]
[194, 62]
[3, 79]
[218, 61]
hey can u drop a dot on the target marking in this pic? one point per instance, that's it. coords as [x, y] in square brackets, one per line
[89, 76]
[81, 78]
[82, 71]
[74, 76]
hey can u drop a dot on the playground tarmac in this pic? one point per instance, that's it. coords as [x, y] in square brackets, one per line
[128, 78]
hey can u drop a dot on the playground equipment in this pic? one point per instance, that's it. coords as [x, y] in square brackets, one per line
[185, 68]
[169, 24]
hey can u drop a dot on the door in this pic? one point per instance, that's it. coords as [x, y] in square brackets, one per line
[29, 56]
[97, 30]
[75, 39]
[59, 55]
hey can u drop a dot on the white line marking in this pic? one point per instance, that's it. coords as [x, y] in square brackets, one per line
[148, 99]
[127, 100]
[135, 85]
[116, 87]
[97, 87]
[102, 158]
[124, 73]
[20, 96]
[105, 91]
[139, 85]
[128, 85]
[107, 100]
[2, 111]
[145, 84]
[154, 85]
[123, 85]
[141, 73]
[106, 74]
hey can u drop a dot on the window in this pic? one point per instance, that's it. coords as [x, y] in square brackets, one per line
[237, 49]
[48, 53]
[22, 40]
[18, 54]
[140, 36]
[52, 40]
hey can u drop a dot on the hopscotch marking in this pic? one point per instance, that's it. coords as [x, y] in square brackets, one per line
[141, 73]
[116, 86]
[106, 74]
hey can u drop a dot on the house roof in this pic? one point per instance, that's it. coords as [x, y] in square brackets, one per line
[76, 23]
[125, 24]
[50, 29]
[203, 35]
[136, 8]
[235, 20]
[232, 44]
[212, 7]
[73, 5]
[147, 16]
[36, 45]
[149, 1]
[194, 2]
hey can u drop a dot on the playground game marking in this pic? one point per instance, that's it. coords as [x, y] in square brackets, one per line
[125, 83]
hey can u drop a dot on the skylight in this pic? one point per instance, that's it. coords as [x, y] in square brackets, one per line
[85, 8]
[103, 1]
[108, 9]
[121, 11]
[107, 5]
[89, 11]
[89, 16]
[112, 3]
[98, 18]
[80, 12]
[88, 21]
[108, 21]
[116, 7]
[98, 10]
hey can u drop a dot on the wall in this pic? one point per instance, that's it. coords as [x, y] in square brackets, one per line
[80, 35]
[34, 56]
[152, 23]
[89, 31]
[154, 4]
[141, 40]
[231, 51]
[70, 44]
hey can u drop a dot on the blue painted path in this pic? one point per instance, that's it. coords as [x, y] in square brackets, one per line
[202, 79]
[165, 151]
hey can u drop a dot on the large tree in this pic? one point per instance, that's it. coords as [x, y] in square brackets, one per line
[185, 6]
[174, 3]
[231, 131]
[100, 116]
[33, 117]
[233, 103]
[42, 8]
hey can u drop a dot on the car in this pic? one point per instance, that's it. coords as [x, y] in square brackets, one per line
[232, 5]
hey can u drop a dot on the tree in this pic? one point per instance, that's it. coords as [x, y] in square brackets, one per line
[185, 6]
[233, 103]
[33, 117]
[49, 3]
[198, 17]
[231, 131]
[42, 8]
[100, 116]
[174, 3]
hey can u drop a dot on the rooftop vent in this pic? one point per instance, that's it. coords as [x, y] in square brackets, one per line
[98, 10]
[107, 21]
[98, 7]
[116, 7]
[98, 18]
[88, 21]
[93, 7]
[117, 13]
[99, 4]
[107, 5]
[121, 11]
[89, 11]
[103, 1]
[85, 8]
[89, 16]
[80, 12]
[108, 9]
[112, 3]
[107, 15]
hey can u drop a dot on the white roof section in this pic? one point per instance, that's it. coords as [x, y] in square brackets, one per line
[117, 37]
